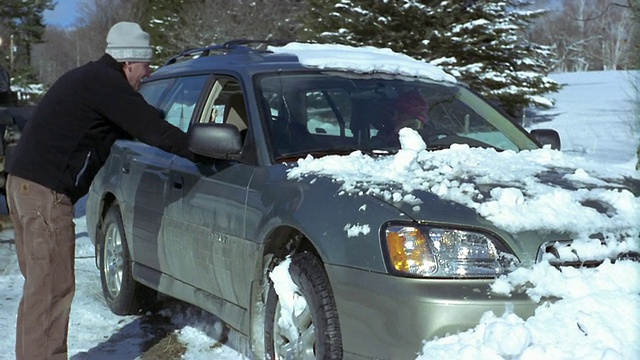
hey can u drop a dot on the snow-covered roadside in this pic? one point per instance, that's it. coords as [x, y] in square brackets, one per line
[597, 115]
[95, 333]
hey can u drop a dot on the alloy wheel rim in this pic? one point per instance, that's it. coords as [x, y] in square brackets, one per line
[299, 343]
[113, 262]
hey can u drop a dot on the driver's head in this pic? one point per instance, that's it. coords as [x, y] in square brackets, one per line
[129, 45]
[411, 110]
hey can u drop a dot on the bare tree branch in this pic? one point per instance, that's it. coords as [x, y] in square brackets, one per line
[604, 12]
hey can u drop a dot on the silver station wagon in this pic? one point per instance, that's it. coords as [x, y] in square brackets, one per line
[210, 232]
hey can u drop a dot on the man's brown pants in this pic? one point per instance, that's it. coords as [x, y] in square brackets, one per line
[45, 244]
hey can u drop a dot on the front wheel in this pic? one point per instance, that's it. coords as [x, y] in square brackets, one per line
[123, 294]
[312, 330]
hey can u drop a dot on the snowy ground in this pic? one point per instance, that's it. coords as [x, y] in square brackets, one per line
[594, 116]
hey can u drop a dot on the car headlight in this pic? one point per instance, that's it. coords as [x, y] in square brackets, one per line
[445, 252]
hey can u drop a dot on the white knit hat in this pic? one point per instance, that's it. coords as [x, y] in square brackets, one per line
[127, 42]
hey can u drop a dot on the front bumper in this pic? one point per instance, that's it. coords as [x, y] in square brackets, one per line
[388, 317]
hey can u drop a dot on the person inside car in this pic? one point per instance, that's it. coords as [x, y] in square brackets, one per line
[61, 149]
[409, 110]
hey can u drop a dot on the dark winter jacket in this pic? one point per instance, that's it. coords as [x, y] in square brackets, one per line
[72, 129]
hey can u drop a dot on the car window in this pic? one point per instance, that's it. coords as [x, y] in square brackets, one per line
[337, 112]
[226, 104]
[152, 91]
[179, 103]
[328, 112]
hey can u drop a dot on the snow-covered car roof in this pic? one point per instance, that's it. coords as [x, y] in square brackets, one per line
[365, 59]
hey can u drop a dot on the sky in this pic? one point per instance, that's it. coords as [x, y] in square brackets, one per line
[64, 15]
[597, 314]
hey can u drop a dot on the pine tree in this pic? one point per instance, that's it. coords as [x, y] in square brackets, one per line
[481, 43]
[177, 25]
[24, 23]
[478, 41]
[400, 25]
[161, 20]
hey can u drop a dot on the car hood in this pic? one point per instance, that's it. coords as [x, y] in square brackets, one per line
[540, 192]
[490, 199]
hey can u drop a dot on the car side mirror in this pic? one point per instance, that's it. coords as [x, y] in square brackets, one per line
[547, 137]
[218, 141]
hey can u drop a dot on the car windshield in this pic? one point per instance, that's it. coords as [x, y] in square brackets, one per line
[334, 112]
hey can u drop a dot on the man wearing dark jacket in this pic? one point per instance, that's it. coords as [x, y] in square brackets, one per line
[61, 149]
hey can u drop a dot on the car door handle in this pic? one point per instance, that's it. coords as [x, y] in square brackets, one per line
[177, 181]
[126, 168]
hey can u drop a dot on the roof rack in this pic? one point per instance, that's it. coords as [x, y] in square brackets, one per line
[237, 45]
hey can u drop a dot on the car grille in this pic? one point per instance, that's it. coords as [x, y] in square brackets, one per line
[552, 248]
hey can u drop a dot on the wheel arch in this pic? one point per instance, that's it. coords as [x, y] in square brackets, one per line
[279, 243]
[107, 201]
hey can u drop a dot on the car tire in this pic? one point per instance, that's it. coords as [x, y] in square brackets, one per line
[317, 327]
[122, 293]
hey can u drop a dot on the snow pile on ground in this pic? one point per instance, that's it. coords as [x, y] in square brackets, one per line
[596, 317]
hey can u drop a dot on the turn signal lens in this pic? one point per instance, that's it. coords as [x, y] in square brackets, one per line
[409, 251]
[447, 252]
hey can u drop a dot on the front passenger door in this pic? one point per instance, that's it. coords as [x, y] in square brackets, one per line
[205, 210]
[146, 169]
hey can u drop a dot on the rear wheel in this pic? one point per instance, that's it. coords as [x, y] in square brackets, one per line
[123, 294]
[316, 330]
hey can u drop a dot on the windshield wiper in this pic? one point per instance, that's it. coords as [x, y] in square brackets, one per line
[316, 153]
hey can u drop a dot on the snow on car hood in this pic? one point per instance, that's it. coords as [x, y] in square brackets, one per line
[538, 190]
